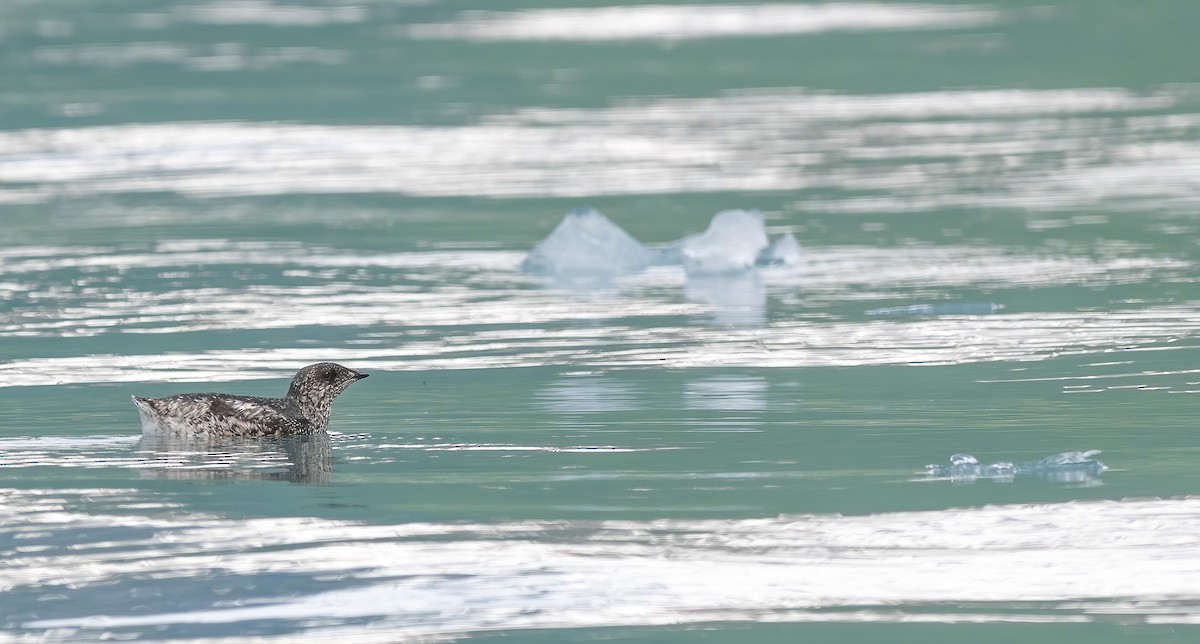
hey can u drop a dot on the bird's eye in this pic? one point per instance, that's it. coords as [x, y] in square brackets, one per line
[329, 375]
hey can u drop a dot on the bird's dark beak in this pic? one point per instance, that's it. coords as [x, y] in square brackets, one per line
[360, 375]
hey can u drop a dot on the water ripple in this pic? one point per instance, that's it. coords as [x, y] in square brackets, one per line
[877, 153]
[999, 563]
[678, 22]
[473, 309]
[262, 12]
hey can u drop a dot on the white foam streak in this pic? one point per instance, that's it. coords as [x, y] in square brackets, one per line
[679, 22]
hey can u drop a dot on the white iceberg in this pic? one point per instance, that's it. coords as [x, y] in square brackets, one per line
[732, 243]
[587, 249]
[586, 244]
[784, 251]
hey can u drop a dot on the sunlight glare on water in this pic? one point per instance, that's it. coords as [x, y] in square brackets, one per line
[482, 309]
[673, 22]
[833, 307]
[423, 579]
[920, 151]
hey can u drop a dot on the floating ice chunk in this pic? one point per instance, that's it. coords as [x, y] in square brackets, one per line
[955, 308]
[963, 459]
[667, 254]
[586, 244]
[732, 243]
[1067, 458]
[784, 251]
[1067, 467]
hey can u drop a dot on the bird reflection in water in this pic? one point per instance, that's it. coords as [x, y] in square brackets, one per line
[303, 458]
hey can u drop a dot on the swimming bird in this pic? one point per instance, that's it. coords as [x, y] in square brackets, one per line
[303, 410]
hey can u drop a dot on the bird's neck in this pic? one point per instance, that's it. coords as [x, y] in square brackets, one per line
[312, 405]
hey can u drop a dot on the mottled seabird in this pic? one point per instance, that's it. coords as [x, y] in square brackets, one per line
[304, 410]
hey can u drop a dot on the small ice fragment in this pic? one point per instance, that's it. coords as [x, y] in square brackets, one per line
[963, 459]
[1068, 467]
[731, 244]
[587, 244]
[1067, 458]
[784, 251]
[1001, 468]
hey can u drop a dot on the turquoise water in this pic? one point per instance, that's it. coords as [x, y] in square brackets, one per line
[996, 206]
